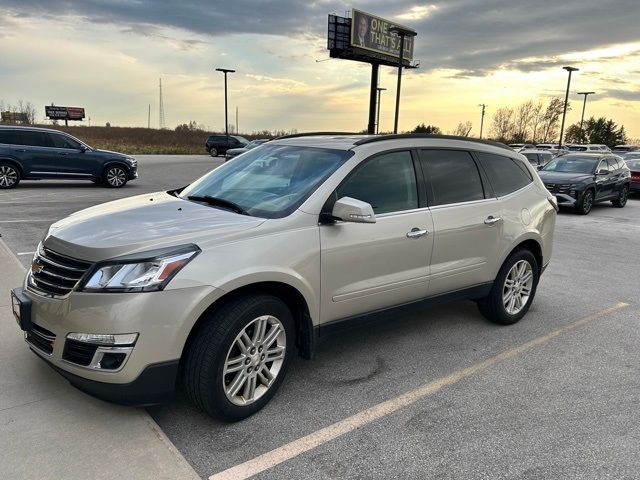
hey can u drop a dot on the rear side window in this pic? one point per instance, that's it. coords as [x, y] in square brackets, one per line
[453, 176]
[34, 138]
[8, 137]
[387, 182]
[505, 174]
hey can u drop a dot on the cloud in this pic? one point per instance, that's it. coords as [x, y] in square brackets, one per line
[620, 94]
[417, 12]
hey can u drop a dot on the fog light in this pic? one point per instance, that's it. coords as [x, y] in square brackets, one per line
[104, 339]
[112, 361]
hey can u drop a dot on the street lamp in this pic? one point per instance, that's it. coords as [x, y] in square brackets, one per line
[584, 104]
[402, 33]
[482, 118]
[379, 89]
[566, 100]
[226, 121]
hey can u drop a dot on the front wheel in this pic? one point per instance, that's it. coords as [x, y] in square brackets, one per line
[621, 201]
[584, 206]
[9, 176]
[513, 289]
[238, 358]
[115, 177]
[213, 152]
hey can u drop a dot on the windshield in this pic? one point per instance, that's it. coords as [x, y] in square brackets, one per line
[269, 182]
[634, 164]
[242, 140]
[572, 164]
[631, 156]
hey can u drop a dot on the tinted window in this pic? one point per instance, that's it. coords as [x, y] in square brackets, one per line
[62, 141]
[387, 182]
[532, 157]
[453, 175]
[8, 136]
[505, 174]
[34, 138]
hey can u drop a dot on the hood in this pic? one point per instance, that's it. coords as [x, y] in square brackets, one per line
[564, 177]
[142, 223]
[237, 151]
[109, 152]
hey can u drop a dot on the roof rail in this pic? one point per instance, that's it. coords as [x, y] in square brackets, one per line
[311, 134]
[381, 138]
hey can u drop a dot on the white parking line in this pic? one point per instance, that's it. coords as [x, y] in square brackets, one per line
[324, 435]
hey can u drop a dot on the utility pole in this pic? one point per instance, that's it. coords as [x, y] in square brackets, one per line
[566, 101]
[226, 119]
[149, 117]
[482, 118]
[584, 105]
[380, 90]
[402, 33]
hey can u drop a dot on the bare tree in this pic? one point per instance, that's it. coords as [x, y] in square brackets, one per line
[551, 119]
[522, 121]
[536, 118]
[463, 129]
[502, 124]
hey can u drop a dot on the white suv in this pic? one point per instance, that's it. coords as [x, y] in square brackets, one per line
[218, 283]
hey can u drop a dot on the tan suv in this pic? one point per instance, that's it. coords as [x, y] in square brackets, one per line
[217, 284]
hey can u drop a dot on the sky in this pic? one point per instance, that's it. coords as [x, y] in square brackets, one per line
[108, 55]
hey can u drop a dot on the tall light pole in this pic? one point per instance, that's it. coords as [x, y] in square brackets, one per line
[379, 89]
[566, 101]
[402, 33]
[482, 118]
[584, 105]
[226, 120]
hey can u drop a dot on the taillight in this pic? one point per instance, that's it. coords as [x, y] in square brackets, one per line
[554, 203]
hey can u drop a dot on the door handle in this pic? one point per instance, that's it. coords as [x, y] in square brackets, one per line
[20, 150]
[64, 153]
[416, 233]
[491, 220]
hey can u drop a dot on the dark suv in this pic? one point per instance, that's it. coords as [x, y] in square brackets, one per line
[39, 153]
[579, 180]
[219, 144]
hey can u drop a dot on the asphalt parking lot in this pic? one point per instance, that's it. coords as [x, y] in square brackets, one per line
[554, 396]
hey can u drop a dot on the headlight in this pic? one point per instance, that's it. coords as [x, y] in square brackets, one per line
[142, 274]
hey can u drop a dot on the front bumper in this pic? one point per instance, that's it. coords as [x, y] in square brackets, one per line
[162, 321]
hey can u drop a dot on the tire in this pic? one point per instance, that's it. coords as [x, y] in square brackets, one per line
[495, 307]
[9, 176]
[585, 204]
[621, 201]
[115, 176]
[213, 152]
[215, 346]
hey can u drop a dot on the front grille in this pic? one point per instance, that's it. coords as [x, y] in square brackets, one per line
[79, 352]
[558, 187]
[55, 274]
[41, 338]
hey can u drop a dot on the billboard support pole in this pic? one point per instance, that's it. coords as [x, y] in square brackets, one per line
[402, 33]
[371, 128]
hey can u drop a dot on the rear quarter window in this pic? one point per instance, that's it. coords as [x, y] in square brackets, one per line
[505, 174]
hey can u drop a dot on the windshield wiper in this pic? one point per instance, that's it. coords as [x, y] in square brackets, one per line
[218, 202]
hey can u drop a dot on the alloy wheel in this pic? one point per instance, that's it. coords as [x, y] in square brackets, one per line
[587, 203]
[254, 360]
[517, 287]
[8, 176]
[116, 177]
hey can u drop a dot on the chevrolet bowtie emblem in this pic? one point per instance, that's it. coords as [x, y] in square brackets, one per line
[36, 267]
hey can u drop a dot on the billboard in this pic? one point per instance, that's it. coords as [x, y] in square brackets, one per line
[64, 113]
[370, 32]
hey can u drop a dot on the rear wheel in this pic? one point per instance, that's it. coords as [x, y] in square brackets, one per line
[213, 152]
[115, 176]
[584, 206]
[9, 176]
[621, 201]
[238, 358]
[513, 289]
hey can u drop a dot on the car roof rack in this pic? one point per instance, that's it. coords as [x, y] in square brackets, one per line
[399, 136]
[312, 134]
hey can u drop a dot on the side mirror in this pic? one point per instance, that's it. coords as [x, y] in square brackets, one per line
[349, 209]
[540, 167]
[83, 148]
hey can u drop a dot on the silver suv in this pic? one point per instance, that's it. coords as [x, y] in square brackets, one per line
[216, 285]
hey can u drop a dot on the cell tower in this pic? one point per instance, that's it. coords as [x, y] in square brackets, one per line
[161, 121]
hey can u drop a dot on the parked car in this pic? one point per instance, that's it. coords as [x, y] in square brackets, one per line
[633, 163]
[592, 148]
[625, 148]
[273, 250]
[579, 180]
[521, 146]
[553, 148]
[219, 144]
[28, 153]
[234, 152]
[537, 158]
